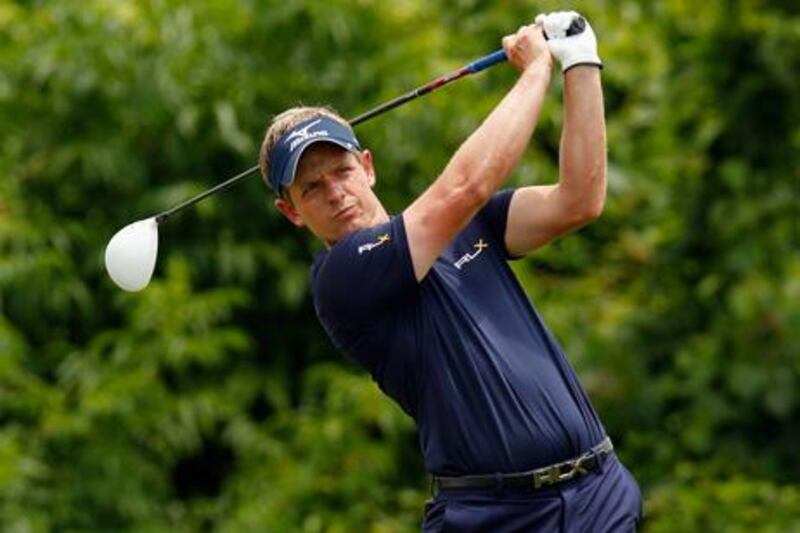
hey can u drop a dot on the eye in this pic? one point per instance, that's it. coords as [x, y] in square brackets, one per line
[310, 187]
[345, 170]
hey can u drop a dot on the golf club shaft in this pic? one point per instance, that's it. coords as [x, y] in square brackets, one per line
[476, 66]
[472, 68]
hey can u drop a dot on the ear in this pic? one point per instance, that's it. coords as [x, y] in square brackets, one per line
[288, 210]
[366, 161]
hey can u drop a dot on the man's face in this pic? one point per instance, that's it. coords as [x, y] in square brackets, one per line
[332, 193]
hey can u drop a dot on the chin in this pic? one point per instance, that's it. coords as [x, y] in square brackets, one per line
[349, 226]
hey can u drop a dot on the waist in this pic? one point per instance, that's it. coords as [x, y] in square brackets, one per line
[561, 472]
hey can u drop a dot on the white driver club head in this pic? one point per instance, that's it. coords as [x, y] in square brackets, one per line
[131, 254]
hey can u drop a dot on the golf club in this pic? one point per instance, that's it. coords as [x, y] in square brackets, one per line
[130, 256]
[131, 253]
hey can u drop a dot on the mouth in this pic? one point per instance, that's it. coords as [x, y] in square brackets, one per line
[345, 212]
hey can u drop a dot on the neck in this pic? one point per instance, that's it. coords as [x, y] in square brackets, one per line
[381, 217]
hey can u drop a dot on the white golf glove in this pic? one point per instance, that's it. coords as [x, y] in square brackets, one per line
[572, 50]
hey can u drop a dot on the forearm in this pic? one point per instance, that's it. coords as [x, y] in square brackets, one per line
[485, 159]
[583, 141]
[490, 154]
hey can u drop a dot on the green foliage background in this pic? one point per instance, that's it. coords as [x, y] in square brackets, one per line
[212, 401]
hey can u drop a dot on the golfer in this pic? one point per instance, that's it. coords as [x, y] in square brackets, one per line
[426, 302]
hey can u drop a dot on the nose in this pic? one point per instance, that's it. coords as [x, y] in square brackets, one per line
[334, 192]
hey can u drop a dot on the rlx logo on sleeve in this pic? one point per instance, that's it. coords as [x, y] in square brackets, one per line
[467, 257]
[370, 245]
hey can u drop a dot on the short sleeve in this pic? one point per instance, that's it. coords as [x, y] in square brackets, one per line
[368, 272]
[494, 215]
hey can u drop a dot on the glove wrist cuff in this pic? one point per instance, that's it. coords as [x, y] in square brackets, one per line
[580, 58]
[597, 64]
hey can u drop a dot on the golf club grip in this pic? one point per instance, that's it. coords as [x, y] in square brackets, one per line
[487, 61]
[577, 26]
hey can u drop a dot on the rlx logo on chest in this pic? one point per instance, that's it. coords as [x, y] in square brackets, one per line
[467, 257]
[368, 247]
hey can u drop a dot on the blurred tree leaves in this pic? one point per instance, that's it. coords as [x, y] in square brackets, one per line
[213, 401]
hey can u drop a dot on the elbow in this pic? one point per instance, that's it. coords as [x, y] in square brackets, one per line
[582, 215]
[594, 208]
[594, 197]
[471, 187]
[585, 207]
[474, 193]
[477, 174]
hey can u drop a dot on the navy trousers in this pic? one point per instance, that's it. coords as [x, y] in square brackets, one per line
[605, 500]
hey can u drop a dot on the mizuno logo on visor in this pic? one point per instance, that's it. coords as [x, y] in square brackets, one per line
[297, 137]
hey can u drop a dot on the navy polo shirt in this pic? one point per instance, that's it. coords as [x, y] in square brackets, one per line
[463, 351]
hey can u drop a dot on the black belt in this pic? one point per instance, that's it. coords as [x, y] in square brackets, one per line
[534, 479]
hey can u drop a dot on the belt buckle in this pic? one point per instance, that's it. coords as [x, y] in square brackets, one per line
[553, 474]
[546, 476]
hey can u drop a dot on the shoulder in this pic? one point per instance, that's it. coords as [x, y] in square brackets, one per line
[361, 249]
[364, 271]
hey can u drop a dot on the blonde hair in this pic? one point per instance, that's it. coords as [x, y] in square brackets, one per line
[283, 123]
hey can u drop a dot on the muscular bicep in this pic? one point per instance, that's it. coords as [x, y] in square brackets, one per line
[539, 214]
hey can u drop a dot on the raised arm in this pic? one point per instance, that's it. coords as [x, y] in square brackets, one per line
[486, 158]
[539, 214]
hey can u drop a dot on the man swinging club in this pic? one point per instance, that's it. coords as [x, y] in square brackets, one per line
[426, 302]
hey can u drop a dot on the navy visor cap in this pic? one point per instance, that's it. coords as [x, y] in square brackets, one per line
[286, 152]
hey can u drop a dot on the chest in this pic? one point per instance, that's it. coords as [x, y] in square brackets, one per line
[472, 269]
